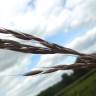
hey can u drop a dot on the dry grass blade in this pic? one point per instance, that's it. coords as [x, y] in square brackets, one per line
[64, 67]
[54, 47]
[80, 63]
[16, 46]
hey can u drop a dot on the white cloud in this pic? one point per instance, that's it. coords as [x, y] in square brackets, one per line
[87, 41]
[46, 18]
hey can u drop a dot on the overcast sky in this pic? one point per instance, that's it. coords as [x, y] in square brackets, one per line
[70, 23]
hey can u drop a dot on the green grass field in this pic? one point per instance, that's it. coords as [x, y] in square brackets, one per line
[84, 86]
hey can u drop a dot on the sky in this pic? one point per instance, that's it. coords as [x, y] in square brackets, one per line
[70, 23]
